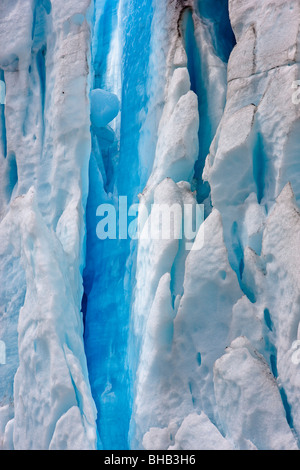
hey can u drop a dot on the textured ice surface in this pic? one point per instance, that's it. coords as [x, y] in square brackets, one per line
[120, 344]
[45, 396]
[249, 401]
[224, 298]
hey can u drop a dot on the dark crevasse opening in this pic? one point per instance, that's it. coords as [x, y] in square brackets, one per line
[271, 356]
[215, 16]
[3, 140]
[12, 174]
[193, 54]
[41, 67]
[47, 5]
[283, 395]
[237, 250]
[198, 87]
[37, 68]
[287, 407]
[259, 167]
[109, 273]
[221, 32]
[268, 319]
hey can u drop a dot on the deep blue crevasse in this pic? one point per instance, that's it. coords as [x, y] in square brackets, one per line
[3, 141]
[109, 272]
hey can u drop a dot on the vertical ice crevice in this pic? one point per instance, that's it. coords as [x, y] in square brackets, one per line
[259, 168]
[195, 63]
[207, 72]
[2, 115]
[121, 54]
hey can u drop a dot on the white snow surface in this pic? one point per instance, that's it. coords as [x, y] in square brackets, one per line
[45, 397]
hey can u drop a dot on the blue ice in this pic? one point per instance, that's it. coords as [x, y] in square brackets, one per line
[105, 106]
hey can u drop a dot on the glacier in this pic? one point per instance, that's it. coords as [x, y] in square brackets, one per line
[142, 343]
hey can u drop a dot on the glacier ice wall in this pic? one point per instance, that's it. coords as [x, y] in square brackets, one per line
[117, 344]
[45, 393]
[220, 328]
